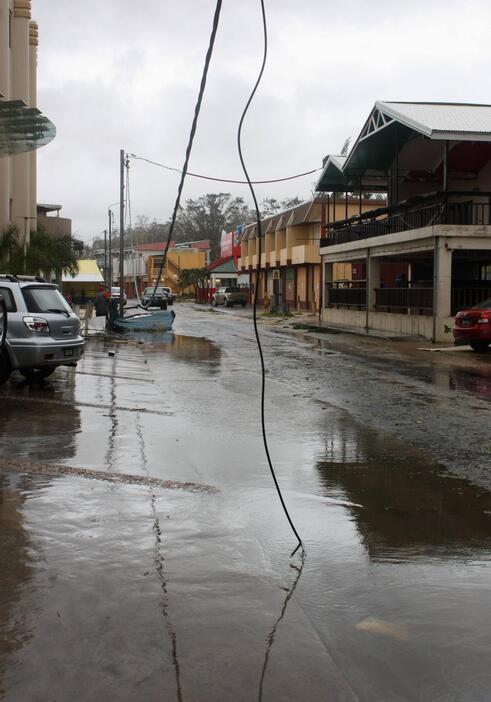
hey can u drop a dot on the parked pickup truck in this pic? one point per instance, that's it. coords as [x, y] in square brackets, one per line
[230, 297]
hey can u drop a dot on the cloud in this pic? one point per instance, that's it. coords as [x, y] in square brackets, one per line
[121, 74]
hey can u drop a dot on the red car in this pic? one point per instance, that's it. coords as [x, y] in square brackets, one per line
[473, 326]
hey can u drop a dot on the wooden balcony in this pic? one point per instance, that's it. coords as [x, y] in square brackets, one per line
[273, 259]
[306, 253]
[415, 214]
[283, 257]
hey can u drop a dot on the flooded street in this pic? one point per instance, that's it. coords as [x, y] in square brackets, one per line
[145, 555]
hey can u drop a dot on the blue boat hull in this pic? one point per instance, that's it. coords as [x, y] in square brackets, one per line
[161, 320]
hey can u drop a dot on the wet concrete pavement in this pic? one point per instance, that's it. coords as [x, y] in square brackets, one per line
[116, 590]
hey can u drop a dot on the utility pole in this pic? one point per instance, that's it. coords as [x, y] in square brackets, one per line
[105, 256]
[110, 253]
[121, 231]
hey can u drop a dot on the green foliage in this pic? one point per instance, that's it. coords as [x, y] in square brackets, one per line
[270, 206]
[209, 215]
[45, 255]
[192, 277]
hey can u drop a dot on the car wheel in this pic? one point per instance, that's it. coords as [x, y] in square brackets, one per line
[37, 373]
[213, 303]
[5, 367]
[226, 303]
[479, 346]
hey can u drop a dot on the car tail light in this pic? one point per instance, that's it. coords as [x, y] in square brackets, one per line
[36, 324]
[484, 318]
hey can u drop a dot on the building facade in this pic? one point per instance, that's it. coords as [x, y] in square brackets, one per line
[290, 266]
[428, 253]
[22, 126]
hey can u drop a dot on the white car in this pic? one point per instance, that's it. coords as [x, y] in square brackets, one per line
[115, 293]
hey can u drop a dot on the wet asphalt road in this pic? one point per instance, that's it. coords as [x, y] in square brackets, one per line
[115, 589]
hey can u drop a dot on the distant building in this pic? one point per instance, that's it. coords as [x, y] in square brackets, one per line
[85, 284]
[23, 128]
[290, 258]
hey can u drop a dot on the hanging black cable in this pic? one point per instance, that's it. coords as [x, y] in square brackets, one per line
[224, 180]
[190, 143]
[254, 316]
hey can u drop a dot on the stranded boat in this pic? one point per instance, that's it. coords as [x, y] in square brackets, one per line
[154, 320]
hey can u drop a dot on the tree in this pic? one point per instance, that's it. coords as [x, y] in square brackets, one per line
[45, 255]
[192, 277]
[270, 206]
[209, 215]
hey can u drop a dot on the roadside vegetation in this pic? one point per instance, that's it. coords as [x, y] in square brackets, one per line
[44, 255]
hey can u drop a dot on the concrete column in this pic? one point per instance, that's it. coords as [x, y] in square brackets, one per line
[373, 280]
[5, 91]
[442, 289]
[328, 278]
[20, 91]
[33, 59]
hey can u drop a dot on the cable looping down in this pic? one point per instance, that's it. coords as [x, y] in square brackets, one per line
[259, 237]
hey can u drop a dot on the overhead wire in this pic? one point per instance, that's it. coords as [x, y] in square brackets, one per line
[225, 180]
[184, 171]
[256, 286]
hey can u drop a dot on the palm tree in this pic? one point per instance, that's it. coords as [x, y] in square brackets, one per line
[45, 255]
[195, 277]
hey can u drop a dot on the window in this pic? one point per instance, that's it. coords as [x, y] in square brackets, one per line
[44, 300]
[486, 271]
[6, 295]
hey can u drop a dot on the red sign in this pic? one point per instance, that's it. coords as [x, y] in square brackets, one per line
[226, 244]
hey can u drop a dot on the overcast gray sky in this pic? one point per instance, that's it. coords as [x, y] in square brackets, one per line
[118, 74]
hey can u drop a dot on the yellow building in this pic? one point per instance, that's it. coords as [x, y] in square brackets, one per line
[177, 260]
[290, 258]
[85, 284]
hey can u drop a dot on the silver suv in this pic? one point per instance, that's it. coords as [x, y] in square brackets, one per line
[42, 331]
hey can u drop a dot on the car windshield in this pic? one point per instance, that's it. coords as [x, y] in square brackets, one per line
[44, 299]
[159, 291]
[484, 305]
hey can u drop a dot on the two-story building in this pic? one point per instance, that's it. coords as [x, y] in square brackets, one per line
[428, 252]
[290, 258]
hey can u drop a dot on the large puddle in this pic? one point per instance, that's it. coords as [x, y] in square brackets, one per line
[192, 596]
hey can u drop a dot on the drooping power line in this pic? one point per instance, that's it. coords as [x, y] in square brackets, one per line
[225, 180]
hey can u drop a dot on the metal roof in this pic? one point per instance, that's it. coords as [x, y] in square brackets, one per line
[389, 127]
[442, 120]
[332, 176]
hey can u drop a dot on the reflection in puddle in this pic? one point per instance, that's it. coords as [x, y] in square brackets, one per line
[405, 509]
[184, 349]
[471, 382]
[14, 551]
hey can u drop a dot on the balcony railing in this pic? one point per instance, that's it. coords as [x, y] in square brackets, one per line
[418, 300]
[347, 296]
[417, 214]
[470, 294]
